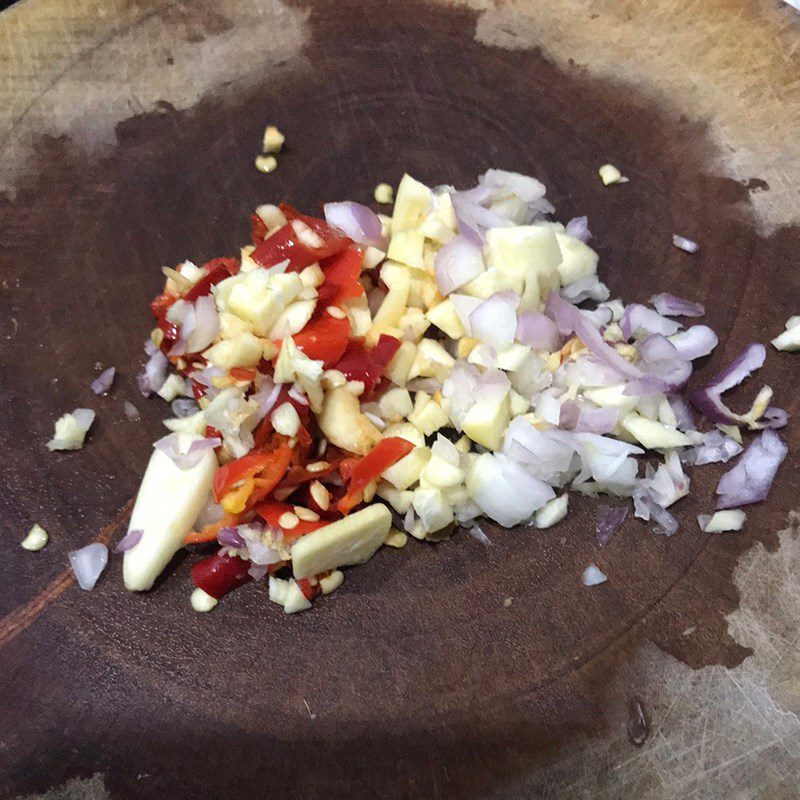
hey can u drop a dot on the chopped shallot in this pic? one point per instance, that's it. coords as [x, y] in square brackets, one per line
[751, 478]
[88, 563]
[102, 383]
[682, 243]
[593, 576]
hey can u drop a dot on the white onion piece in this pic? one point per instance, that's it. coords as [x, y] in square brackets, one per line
[750, 480]
[494, 321]
[358, 222]
[457, 263]
[637, 318]
[538, 332]
[668, 305]
[103, 382]
[88, 563]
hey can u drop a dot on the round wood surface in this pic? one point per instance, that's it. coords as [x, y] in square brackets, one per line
[414, 679]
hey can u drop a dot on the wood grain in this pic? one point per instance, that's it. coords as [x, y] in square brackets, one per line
[414, 680]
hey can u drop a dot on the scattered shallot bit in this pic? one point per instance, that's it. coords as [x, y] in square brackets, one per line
[36, 539]
[682, 243]
[321, 495]
[131, 412]
[103, 382]
[273, 140]
[306, 514]
[288, 520]
[637, 723]
[317, 466]
[384, 194]
[593, 575]
[266, 164]
[336, 312]
[610, 174]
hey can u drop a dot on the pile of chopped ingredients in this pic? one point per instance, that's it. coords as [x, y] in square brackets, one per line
[351, 380]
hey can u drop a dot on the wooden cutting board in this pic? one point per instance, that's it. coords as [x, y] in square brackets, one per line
[129, 137]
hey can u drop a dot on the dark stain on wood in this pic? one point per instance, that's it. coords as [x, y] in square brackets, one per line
[421, 682]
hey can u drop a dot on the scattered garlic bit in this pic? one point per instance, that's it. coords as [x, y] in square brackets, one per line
[70, 430]
[278, 588]
[384, 194]
[722, 521]
[789, 340]
[173, 387]
[285, 419]
[266, 163]
[396, 538]
[682, 243]
[552, 512]
[332, 582]
[593, 575]
[202, 601]
[36, 539]
[273, 140]
[507, 602]
[610, 174]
